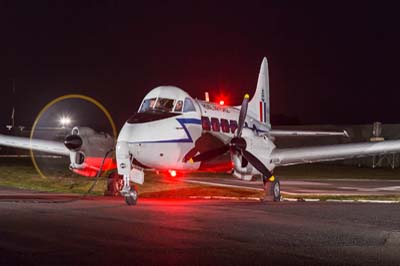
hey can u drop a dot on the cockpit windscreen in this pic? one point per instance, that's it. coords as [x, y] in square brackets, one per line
[157, 104]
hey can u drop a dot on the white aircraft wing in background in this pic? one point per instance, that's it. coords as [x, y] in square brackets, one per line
[291, 156]
[304, 133]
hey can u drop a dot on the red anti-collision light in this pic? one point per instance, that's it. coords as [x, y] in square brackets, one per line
[172, 173]
[221, 102]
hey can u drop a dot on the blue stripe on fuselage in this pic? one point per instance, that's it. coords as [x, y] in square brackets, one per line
[183, 122]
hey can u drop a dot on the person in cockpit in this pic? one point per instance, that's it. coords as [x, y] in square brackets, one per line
[178, 107]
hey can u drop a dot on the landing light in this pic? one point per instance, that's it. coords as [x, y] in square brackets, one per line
[64, 121]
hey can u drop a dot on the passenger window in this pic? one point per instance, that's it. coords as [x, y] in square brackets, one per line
[215, 124]
[205, 123]
[233, 125]
[188, 106]
[225, 125]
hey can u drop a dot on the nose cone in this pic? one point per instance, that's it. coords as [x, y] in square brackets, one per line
[73, 142]
[159, 131]
[161, 144]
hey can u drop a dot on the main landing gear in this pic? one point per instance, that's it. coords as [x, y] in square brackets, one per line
[115, 183]
[272, 188]
[116, 187]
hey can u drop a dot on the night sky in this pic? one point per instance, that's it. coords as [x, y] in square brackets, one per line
[329, 63]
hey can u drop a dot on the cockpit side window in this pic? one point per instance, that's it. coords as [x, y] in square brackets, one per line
[188, 106]
[147, 105]
[178, 106]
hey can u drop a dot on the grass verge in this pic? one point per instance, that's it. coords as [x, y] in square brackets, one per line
[19, 173]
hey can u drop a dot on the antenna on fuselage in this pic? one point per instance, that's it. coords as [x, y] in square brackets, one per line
[207, 96]
[13, 109]
[12, 125]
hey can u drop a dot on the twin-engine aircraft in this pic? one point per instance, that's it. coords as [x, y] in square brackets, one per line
[173, 132]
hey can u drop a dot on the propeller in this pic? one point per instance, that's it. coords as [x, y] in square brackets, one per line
[238, 144]
[205, 156]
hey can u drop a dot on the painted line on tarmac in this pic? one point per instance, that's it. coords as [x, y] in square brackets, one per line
[222, 185]
[224, 198]
[342, 201]
[299, 199]
[361, 179]
[295, 199]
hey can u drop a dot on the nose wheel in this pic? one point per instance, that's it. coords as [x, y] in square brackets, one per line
[131, 197]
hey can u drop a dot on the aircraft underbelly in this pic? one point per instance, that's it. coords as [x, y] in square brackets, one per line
[163, 156]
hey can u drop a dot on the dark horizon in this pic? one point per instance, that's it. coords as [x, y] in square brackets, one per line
[328, 64]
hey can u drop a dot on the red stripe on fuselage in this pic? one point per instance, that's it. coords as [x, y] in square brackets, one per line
[261, 111]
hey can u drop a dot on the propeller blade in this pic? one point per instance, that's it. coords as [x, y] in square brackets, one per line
[211, 154]
[254, 161]
[242, 115]
[73, 142]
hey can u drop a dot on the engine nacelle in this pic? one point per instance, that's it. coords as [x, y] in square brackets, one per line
[77, 158]
[259, 146]
[241, 166]
[87, 151]
[245, 177]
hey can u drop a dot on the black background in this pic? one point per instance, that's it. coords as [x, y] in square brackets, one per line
[329, 63]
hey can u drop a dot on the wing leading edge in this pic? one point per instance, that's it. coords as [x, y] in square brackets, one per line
[48, 146]
[291, 156]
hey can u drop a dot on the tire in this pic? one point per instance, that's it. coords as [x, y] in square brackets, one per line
[276, 190]
[132, 197]
[115, 183]
[272, 190]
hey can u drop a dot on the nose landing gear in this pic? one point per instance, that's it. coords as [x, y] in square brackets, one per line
[120, 185]
[131, 197]
[130, 193]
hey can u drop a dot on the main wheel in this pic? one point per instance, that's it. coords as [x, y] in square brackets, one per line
[272, 190]
[115, 183]
[276, 190]
[132, 197]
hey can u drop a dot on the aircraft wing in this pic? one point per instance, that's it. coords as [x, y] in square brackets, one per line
[303, 133]
[49, 146]
[291, 156]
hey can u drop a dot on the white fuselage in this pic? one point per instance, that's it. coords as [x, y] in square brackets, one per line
[162, 144]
